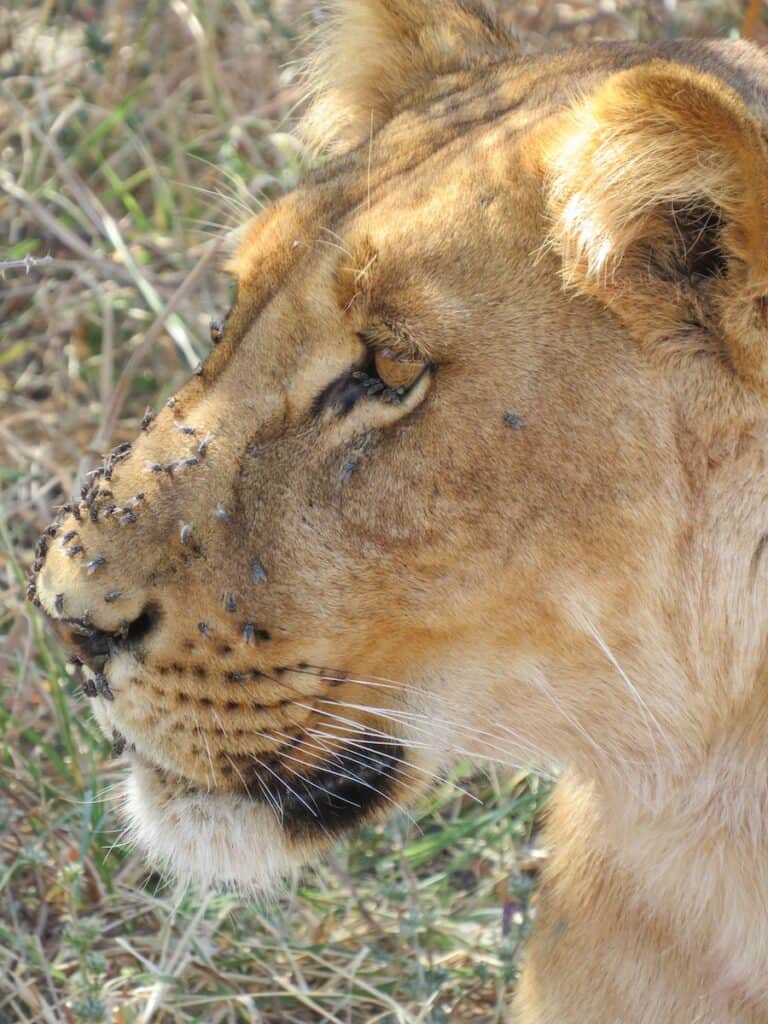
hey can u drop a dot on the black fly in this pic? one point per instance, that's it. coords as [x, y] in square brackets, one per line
[102, 686]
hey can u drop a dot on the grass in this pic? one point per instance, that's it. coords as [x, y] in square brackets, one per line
[130, 136]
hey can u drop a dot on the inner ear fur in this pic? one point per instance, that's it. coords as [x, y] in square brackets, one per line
[371, 54]
[657, 187]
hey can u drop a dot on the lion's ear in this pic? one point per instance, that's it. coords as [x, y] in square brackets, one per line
[372, 53]
[657, 186]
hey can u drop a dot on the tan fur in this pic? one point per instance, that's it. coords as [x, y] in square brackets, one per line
[397, 45]
[549, 551]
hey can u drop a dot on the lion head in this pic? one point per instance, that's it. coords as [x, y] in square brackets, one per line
[456, 477]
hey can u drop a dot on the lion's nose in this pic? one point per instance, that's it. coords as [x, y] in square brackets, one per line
[93, 646]
[90, 646]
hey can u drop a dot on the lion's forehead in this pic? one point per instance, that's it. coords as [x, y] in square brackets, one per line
[413, 180]
[409, 163]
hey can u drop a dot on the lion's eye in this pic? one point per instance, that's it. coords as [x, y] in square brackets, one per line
[383, 375]
[396, 370]
[387, 375]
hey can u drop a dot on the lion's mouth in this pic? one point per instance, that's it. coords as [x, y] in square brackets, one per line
[234, 772]
[330, 799]
[252, 837]
[352, 780]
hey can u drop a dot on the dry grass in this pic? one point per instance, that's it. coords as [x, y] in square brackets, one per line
[130, 135]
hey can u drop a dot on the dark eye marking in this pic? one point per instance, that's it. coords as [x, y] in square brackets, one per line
[362, 381]
[342, 394]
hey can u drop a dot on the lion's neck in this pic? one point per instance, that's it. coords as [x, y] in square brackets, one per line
[676, 869]
[654, 915]
[654, 906]
[687, 844]
[698, 858]
[662, 868]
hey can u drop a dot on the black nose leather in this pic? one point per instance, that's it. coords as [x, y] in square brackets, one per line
[90, 646]
[93, 646]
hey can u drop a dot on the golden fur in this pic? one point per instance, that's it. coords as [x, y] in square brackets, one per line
[547, 547]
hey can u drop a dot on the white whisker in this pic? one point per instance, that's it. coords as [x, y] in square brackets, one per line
[281, 780]
[201, 732]
[646, 712]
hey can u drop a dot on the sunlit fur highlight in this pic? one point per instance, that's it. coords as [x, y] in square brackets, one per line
[650, 137]
[656, 134]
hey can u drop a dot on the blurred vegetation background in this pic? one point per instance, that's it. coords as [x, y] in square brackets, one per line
[132, 135]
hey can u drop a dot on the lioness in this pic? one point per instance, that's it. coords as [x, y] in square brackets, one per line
[478, 464]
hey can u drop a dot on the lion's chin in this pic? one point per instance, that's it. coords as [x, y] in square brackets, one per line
[211, 839]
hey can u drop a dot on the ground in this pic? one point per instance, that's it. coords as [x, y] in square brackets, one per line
[131, 135]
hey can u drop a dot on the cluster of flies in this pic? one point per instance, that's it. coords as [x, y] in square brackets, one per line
[191, 460]
[95, 491]
[86, 508]
[95, 503]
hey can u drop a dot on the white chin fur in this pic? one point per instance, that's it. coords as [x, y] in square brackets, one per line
[209, 838]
